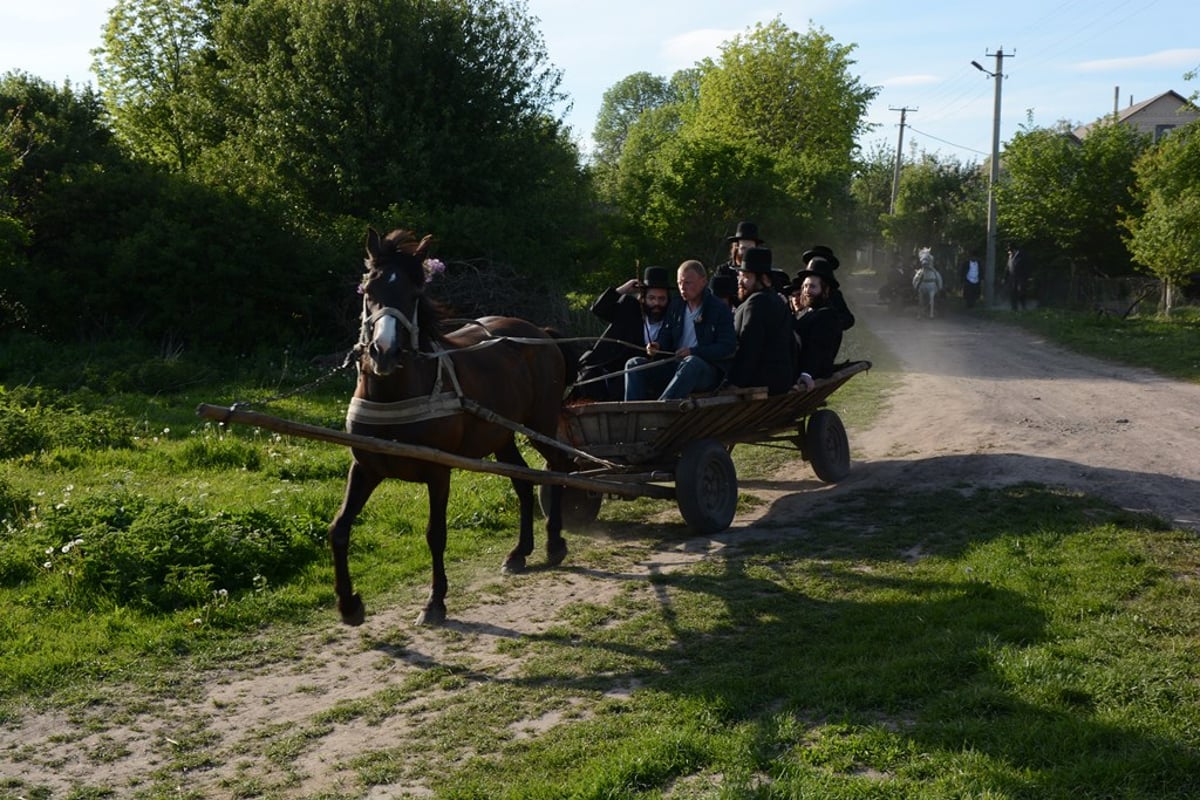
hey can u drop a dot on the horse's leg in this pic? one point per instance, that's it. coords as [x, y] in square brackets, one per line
[514, 562]
[435, 537]
[359, 485]
[556, 545]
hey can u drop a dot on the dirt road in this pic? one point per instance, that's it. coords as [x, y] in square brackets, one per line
[985, 403]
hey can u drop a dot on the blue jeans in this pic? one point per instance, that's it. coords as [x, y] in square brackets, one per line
[670, 380]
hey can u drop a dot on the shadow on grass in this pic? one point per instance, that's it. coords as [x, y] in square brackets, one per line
[880, 615]
[1176, 499]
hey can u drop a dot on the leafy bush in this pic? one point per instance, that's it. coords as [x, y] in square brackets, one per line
[165, 556]
[28, 425]
[14, 504]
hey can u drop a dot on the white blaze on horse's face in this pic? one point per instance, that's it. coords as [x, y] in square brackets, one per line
[383, 341]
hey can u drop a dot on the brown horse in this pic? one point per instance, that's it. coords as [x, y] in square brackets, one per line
[495, 362]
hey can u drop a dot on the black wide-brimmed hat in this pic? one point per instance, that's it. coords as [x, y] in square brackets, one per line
[756, 260]
[657, 278]
[822, 251]
[779, 279]
[819, 266]
[745, 230]
[724, 285]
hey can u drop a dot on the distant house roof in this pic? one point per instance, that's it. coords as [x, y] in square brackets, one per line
[1155, 116]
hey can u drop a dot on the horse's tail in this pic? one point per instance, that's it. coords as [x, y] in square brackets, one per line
[571, 352]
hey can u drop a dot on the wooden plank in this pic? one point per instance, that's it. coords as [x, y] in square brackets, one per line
[388, 447]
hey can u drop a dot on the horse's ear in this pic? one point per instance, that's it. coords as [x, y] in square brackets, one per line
[424, 245]
[373, 242]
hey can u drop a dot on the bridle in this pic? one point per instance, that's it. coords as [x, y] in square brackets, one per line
[408, 323]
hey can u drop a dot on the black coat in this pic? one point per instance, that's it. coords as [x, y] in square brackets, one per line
[626, 323]
[838, 303]
[819, 336]
[764, 351]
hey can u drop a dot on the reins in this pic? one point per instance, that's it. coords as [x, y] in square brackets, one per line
[438, 404]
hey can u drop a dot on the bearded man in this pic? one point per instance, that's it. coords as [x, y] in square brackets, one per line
[763, 327]
[818, 324]
[634, 311]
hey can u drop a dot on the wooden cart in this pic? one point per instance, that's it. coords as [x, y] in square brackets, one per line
[687, 444]
[676, 450]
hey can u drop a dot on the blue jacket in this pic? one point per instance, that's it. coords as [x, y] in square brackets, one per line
[715, 339]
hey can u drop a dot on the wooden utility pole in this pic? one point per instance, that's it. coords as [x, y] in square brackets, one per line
[899, 154]
[989, 268]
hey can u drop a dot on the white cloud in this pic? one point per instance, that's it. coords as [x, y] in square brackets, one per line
[685, 49]
[1184, 59]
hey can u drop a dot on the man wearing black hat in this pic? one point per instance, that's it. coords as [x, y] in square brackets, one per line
[634, 311]
[698, 337]
[835, 299]
[818, 326]
[745, 237]
[763, 327]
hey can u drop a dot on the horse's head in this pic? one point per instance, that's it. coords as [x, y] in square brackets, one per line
[393, 291]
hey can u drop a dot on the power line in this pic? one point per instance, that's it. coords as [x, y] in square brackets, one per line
[946, 141]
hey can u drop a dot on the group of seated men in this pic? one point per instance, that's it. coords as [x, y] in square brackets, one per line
[755, 326]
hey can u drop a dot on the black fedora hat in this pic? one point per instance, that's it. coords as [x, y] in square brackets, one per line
[819, 266]
[724, 285]
[779, 279]
[745, 230]
[823, 251]
[657, 278]
[756, 260]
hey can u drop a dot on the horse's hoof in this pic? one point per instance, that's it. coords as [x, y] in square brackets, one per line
[353, 612]
[432, 615]
[556, 555]
[513, 565]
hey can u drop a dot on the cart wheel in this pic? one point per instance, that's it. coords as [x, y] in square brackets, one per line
[579, 506]
[826, 446]
[706, 487]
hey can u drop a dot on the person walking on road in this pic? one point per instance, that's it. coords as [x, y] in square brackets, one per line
[1018, 277]
[928, 283]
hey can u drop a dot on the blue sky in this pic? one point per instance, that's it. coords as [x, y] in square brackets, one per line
[1070, 56]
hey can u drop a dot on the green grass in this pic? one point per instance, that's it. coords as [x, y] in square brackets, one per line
[1047, 653]
[1170, 346]
[1016, 643]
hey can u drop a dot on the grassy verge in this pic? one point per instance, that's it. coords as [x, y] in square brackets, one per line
[1042, 646]
[890, 650]
[1170, 346]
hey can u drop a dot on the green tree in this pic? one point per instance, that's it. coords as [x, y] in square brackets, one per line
[51, 138]
[1165, 238]
[871, 192]
[14, 235]
[149, 69]
[434, 113]
[941, 204]
[622, 105]
[1069, 197]
[792, 97]
[765, 132]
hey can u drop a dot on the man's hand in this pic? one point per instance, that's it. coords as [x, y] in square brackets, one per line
[683, 352]
[804, 383]
[631, 286]
[651, 349]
